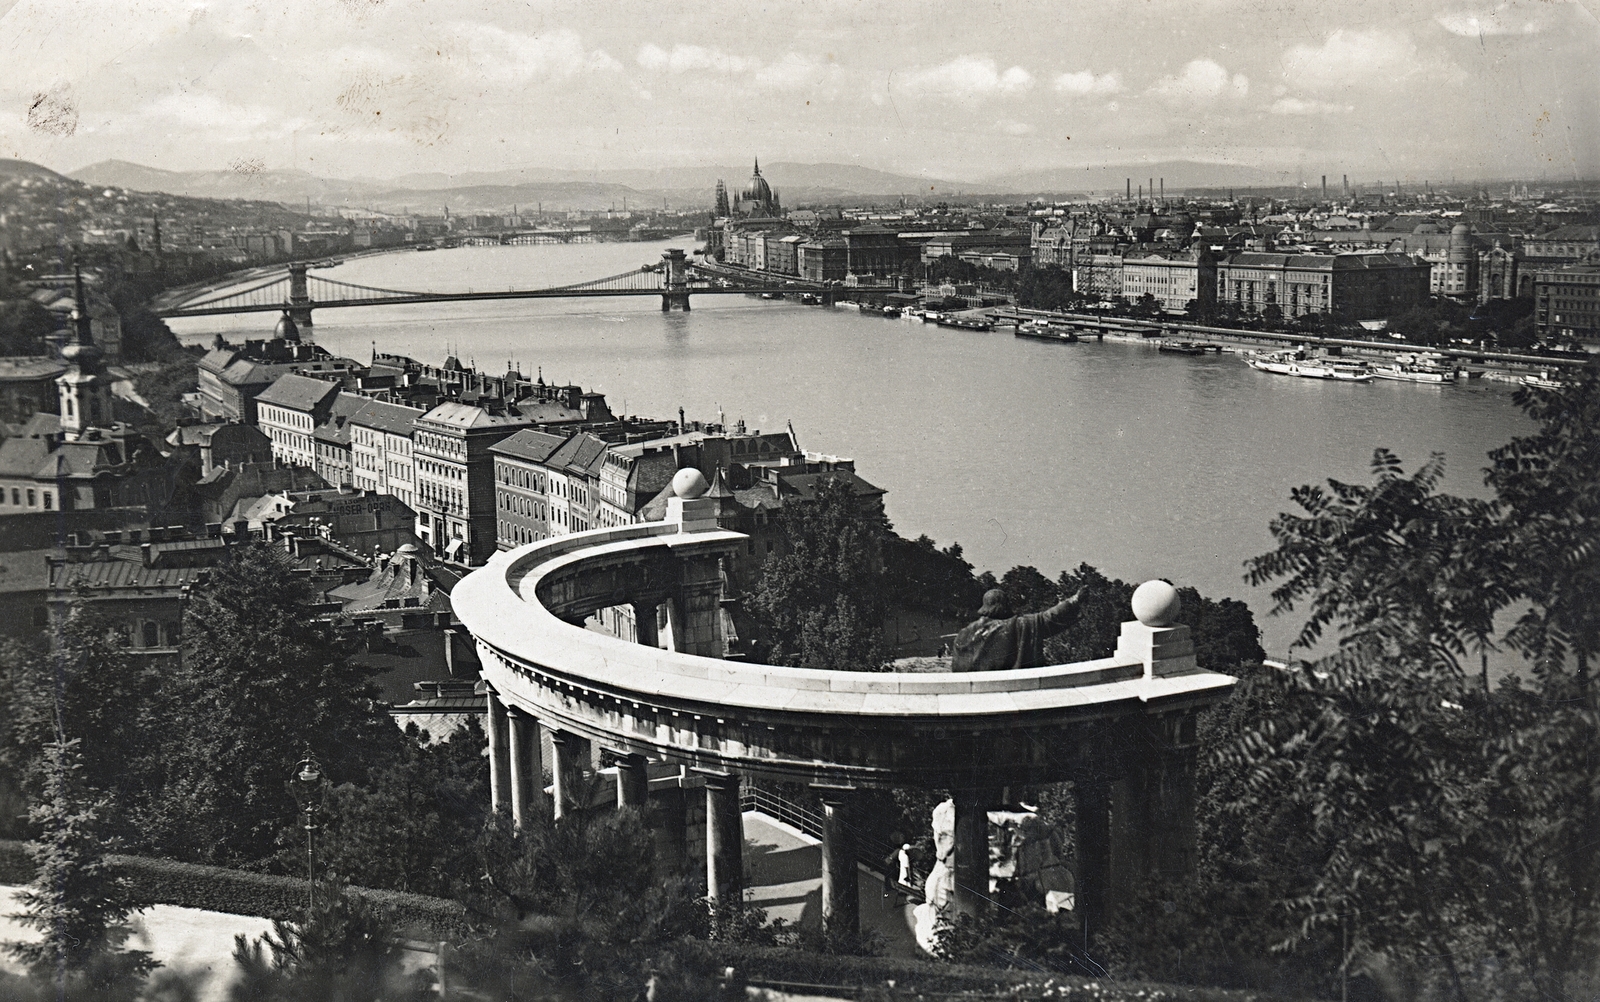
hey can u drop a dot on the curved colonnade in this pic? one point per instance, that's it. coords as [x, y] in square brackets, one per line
[672, 714]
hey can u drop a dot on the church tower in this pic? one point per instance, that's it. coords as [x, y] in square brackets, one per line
[85, 390]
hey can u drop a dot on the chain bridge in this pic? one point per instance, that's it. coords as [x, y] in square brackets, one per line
[674, 278]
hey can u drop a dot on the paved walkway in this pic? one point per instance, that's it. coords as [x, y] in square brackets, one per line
[783, 874]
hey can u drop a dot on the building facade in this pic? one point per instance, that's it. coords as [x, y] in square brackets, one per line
[522, 487]
[1358, 286]
[455, 478]
[1566, 303]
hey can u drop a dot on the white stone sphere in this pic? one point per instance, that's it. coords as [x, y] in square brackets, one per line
[689, 483]
[1156, 603]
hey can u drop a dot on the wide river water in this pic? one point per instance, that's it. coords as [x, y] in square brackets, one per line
[1144, 465]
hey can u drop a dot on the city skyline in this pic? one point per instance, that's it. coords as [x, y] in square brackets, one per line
[367, 88]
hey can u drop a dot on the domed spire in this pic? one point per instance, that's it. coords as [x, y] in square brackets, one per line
[82, 351]
[287, 329]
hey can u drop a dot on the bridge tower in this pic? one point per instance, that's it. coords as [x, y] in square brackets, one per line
[674, 269]
[299, 297]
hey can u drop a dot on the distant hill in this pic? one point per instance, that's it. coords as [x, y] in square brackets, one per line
[17, 170]
[685, 187]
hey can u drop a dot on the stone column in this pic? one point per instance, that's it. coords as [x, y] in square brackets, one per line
[841, 896]
[569, 752]
[724, 838]
[527, 771]
[1172, 796]
[1093, 859]
[972, 850]
[633, 782]
[499, 754]
[644, 624]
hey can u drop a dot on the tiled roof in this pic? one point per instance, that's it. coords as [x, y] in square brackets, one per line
[299, 393]
[130, 574]
[529, 445]
[805, 485]
[466, 416]
[29, 368]
[395, 419]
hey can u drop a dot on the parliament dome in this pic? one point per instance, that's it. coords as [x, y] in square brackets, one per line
[757, 190]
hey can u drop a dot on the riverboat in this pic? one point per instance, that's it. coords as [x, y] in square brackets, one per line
[1187, 348]
[1040, 330]
[967, 323]
[810, 299]
[426, 247]
[772, 295]
[1277, 362]
[931, 316]
[1416, 367]
[327, 263]
[1349, 372]
[1545, 379]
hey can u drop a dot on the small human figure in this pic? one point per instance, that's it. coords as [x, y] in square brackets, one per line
[905, 865]
[889, 864]
[997, 640]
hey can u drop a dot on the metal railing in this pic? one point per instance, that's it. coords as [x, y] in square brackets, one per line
[871, 851]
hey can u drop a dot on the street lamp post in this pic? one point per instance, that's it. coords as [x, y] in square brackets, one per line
[307, 784]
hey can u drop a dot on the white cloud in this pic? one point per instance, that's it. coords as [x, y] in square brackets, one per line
[967, 78]
[513, 56]
[795, 71]
[687, 58]
[1202, 80]
[1503, 19]
[1297, 106]
[1012, 127]
[1348, 58]
[1085, 83]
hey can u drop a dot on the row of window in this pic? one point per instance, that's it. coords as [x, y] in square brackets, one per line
[19, 493]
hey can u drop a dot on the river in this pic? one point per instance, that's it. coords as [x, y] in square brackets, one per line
[1144, 465]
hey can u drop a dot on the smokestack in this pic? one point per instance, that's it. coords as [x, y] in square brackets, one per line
[1324, 187]
[1347, 186]
[1163, 189]
[1152, 187]
[1129, 194]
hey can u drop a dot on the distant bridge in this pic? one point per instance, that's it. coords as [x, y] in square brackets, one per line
[297, 293]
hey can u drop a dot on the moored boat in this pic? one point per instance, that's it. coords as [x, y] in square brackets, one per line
[1416, 367]
[1278, 362]
[1544, 379]
[967, 323]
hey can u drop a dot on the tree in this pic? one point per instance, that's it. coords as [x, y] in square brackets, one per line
[345, 949]
[403, 829]
[1549, 483]
[262, 682]
[23, 325]
[819, 602]
[77, 902]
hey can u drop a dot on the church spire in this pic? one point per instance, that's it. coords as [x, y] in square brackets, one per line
[83, 329]
[758, 167]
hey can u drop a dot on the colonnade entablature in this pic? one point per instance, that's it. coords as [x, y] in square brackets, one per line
[1124, 722]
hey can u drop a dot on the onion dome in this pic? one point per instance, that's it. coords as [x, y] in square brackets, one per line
[287, 329]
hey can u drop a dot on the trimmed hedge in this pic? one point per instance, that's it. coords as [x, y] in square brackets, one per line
[933, 977]
[238, 892]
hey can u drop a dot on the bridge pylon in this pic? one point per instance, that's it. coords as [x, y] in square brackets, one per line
[299, 306]
[674, 268]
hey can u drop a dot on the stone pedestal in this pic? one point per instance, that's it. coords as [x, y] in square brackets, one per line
[527, 771]
[724, 838]
[841, 895]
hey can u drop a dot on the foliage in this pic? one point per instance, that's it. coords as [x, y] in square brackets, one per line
[262, 682]
[1046, 288]
[23, 326]
[819, 601]
[578, 909]
[162, 386]
[1395, 560]
[344, 949]
[402, 827]
[88, 685]
[919, 575]
[76, 901]
[1016, 937]
[1549, 483]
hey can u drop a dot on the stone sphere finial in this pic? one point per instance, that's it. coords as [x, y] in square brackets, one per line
[689, 483]
[1156, 603]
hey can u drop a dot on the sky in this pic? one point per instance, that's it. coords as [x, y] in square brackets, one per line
[961, 91]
